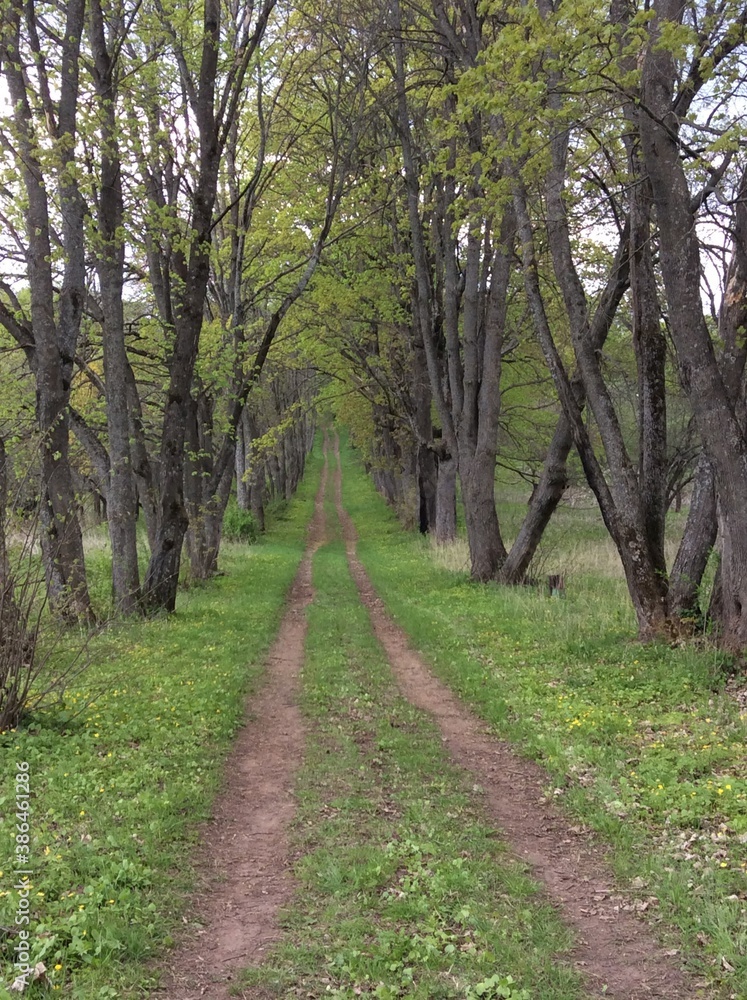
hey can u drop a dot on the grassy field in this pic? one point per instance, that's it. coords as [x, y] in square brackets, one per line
[643, 743]
[122, 770]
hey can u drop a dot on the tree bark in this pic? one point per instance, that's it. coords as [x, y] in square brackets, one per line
[426, 459]
[257, 475]
[146, 478]
[257, 499]
[544, 501]
[446, 501]
[700, 532]
[243, 488]
[695, 548]
[651, 354]
[4, 567]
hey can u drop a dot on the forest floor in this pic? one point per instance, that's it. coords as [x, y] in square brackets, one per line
[374, 836]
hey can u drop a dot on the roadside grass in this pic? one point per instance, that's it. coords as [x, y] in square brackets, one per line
[575, 543]
[239, 530]
[127, 764]
[644, 744]
[403, 891]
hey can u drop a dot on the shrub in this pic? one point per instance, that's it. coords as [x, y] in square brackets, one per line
[239, 525]
[39, 656]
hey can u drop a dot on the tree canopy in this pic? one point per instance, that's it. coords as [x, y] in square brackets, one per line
[487, 233]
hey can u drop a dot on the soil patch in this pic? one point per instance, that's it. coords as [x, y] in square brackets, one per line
[616, 952]
[245, 863]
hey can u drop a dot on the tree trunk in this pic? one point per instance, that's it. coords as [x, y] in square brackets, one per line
[162, 577]
[698, 540]
[387, 458]
[486, 548]
[121, 496]
[720, 431]
[651, 355]
[554, 478]
[55, 319]
[273, 475]
[648, 336]
[289, 463]
[189, 268]
[645, 568]
[426, 490]
[545, 499]
[3, 520]
[242, 483]
[700, 532]
[426, 459]
[257, 499]
[446, 501]
[243, 443]
[487, 273]
[146, 478]
[193, 490]
[204, 537]
[206, 506]
[257, 475]
[282, 474]
[647, 590]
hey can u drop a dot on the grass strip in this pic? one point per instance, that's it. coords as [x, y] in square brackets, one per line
[403, 889]
[643, 743]
[124, 767]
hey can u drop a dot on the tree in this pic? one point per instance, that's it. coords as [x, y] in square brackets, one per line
[179, 258]
[40, 135]
[318, 111]
[633, 499]
[708, 388]
[121, 495]
[463, 284]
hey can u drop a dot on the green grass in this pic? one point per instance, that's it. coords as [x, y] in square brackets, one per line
[404, 891]
[643, 742]
[122, 770]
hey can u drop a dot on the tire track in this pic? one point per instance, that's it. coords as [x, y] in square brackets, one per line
[617, 953]
[244, 861]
